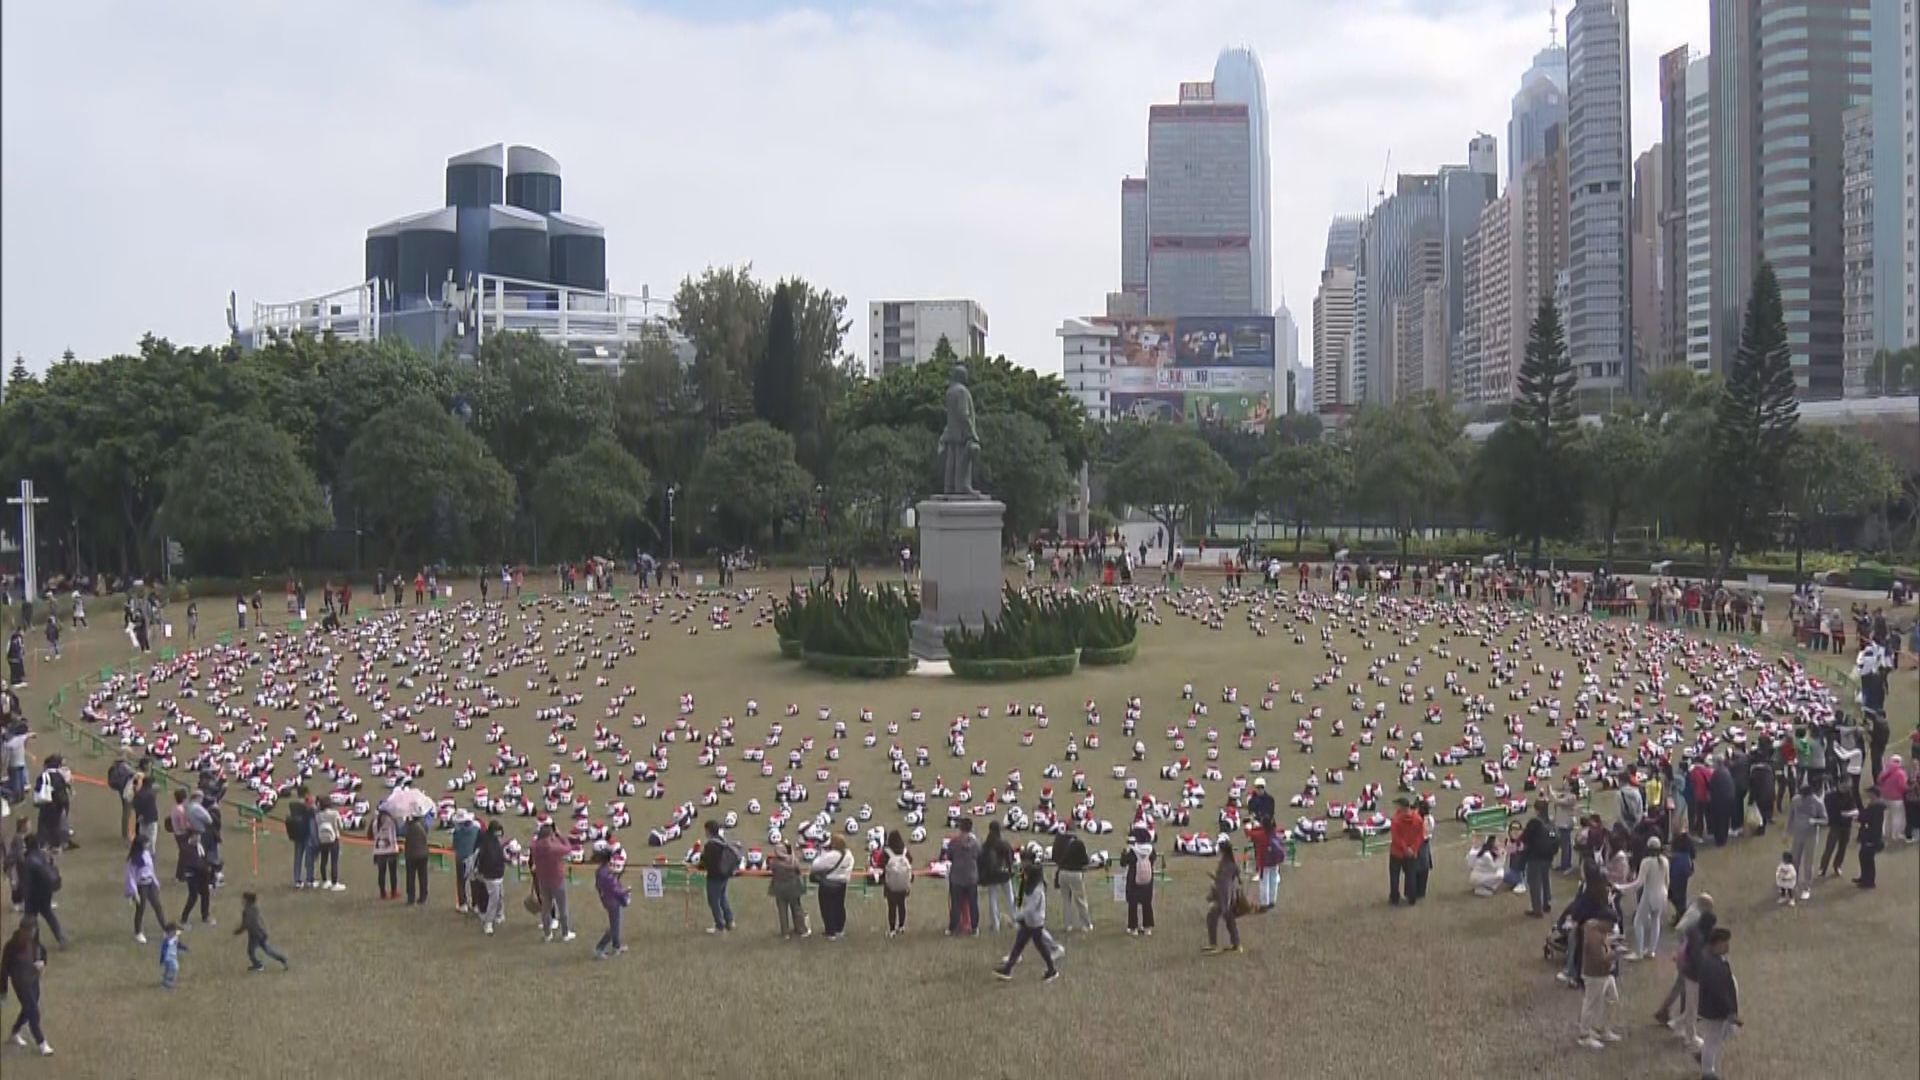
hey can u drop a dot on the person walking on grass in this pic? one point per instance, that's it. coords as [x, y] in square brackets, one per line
[142, 887]
[21, 962]
[170, 949]
[254, 926]
[1719, 1000]
[963, 881]
[614, 896]
[1029, 923]
[1223, 902]
[199, 878]
[1842, 811]
[1137, 862]
[788, 887]
[414, 842]
[996, 876]
[549, 859]
[1599, 964]
[832, 870]
[1651, 886]
[489, 875]
[897, 883]
[326, 839]
[720, 860]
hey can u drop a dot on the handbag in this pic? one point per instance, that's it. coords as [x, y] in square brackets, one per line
[532, 902]
[818, 874]
[1242, 907]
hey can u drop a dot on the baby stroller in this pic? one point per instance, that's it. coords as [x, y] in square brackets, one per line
[1559, 940]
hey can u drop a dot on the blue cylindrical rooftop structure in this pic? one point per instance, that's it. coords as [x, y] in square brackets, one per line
[533, 180]
[476, 178]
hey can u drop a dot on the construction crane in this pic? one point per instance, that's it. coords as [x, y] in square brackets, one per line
[1381, 195]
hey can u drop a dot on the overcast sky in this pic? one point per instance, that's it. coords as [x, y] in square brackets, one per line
[158, 155]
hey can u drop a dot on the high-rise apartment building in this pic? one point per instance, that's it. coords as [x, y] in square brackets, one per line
[1858, 327]
[903, 333]
[1673, 223]
[1599, 145]
[1896, 170]
[1486, 332]
[1384, 260]
[1416, 369]
[1540, 103]
[1650, 346]
[1783, 73]
[1909, 179]
[1208, 233]
[1335, 317]
[1690, 281]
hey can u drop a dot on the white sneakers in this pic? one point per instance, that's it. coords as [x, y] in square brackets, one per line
[570, 936]
[141, 938]
[489, 930]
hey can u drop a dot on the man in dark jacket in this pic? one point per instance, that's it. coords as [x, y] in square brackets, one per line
[719, 861]
[996, 875]
[1760, 787]
[1719, 999]
[490, 871]
[39, 880]
[1721, 803]
[963, 881]
[1873, 818]
[413, 846]
[1261, 805]
[146, 805]
[300, 834]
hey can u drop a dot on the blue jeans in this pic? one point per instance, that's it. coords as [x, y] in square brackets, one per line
[257, 945]
[1022, 935]
[169, 974]
[309, 856]
[17, 780]
[302, 863]
[610, 940]
[1566, 847]
[1539, 885]
[717, 902]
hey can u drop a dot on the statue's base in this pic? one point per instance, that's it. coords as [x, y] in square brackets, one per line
[960, 569]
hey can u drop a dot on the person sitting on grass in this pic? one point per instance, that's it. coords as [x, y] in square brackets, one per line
[1483, 867]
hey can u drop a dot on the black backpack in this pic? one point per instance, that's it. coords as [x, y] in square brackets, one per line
[118, 776]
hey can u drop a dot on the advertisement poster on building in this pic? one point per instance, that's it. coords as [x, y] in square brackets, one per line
[1151, 406]
[1247, 411]
[1226, 341]
[1144, 343]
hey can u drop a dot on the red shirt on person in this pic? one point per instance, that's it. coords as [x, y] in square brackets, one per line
[1407, 832]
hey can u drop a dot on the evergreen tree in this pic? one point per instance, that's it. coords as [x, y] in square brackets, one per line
[20, 376]
[1754, 423]
[776, 378]
[1544, 413]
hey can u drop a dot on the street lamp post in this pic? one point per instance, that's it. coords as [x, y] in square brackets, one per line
[672, 490]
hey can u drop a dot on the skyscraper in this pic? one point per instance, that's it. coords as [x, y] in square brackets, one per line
[1857, 315]
[1648, 269]
[1599, 145]
[1286, 361]
[1343, 241]
[1209, 196]
[1896, 173]
[1133, 238]
[1486, 346]
[1422, 298]
[1238, 77]
[1697, 287]
[1784, 72]
[1334, 318]
[1673, 191]
[1384, 260]
[1540, 103]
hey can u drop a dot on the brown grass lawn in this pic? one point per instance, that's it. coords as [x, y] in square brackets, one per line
[1335, 982]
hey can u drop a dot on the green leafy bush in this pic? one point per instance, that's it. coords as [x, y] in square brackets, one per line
[853, 623]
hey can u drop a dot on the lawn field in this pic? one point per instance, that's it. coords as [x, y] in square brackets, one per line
[1335, 983]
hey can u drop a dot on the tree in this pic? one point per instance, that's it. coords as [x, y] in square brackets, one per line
[1023, 469]
[19, 378]
[749, 477]
[1406, 460]
[426, 485]
[1544, 410]
[531, 402]
[915, 397]
[884, 468]
[588, 499]
[1620, 458]
[1302, 482]
[1168, 473]
[238, 488]
[1295, 429]
[1894, 372]
[724, 314]
[776, 379]
[1753, 427]
[1832, 473]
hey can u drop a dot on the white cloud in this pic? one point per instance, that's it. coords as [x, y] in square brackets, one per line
[157, 155]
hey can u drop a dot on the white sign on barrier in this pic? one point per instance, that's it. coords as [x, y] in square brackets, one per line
[1120, 887]
[653, 884]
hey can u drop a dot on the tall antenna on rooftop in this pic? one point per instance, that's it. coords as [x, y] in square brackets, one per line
[1553, 24]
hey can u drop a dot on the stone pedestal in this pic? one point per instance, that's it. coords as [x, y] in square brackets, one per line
[960, 573]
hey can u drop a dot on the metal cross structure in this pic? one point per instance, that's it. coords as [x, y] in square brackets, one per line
[26, 502]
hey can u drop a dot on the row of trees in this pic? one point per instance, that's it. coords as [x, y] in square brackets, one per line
[251, 459]
[1725, 466]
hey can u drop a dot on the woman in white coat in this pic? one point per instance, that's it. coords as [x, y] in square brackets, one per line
[1651, 911]
[1483, 867]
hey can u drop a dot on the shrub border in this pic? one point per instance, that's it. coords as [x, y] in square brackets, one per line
[790, 649]
[1113, 657]
[860, 667]
[1037, 667]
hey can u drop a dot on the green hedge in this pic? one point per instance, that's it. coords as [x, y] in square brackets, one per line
[860, 667]
[1121, 654]
[790, 648]
[1038, 667]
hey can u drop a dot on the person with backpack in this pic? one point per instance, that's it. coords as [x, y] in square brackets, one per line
[1070, 862]
[52, 796]
[466, 840]
[832, 871]
[489, 875]
[120, 778]
[1541, 843]
[963, 881]
[1030, 922]
[1137, 862]
[39, 880]
[300, 834]
[897, 883]
[719, 860]
[996, 876]
[199, 877]
[327, 827]
[21, 962]
[385, 834]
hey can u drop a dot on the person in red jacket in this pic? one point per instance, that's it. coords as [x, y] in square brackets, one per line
[1405, 831]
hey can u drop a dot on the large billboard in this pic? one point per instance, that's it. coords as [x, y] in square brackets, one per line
[1224, 341]
[1207, 371]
